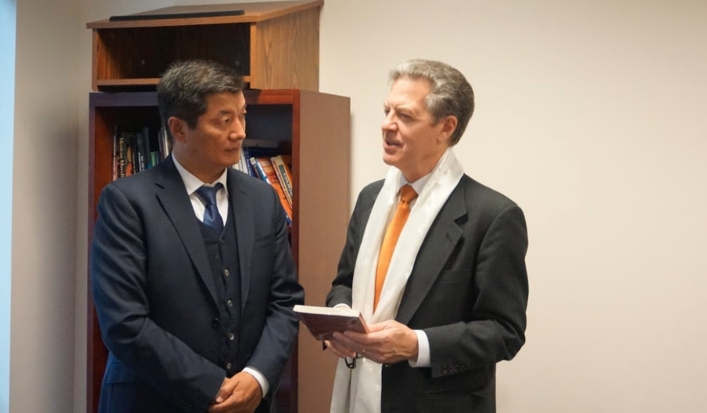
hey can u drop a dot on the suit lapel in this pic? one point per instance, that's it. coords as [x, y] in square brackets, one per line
[242, 209]
[439, 243]
[175, 201]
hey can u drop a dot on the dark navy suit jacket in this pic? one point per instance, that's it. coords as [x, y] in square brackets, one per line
[156, 300]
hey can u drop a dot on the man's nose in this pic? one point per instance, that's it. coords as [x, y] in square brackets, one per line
[238, 130]
[388, 122]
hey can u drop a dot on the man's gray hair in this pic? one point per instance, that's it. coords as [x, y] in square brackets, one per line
[185, 86]
[450, 93]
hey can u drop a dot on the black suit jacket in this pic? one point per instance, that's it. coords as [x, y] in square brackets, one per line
[155, 295]
[468, 292]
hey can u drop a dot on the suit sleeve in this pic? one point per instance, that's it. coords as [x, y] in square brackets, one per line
[118, 276]
[281, 325]
[497, 328]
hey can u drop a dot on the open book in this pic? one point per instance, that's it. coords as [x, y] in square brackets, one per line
[322, 322]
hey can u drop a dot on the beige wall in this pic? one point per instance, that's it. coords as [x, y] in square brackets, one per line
[588, 115]
[44, 207]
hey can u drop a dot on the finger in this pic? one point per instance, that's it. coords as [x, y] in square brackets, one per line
[351, 340]
[226, 406]
[372, 328]
[340, 350]
[226, 390]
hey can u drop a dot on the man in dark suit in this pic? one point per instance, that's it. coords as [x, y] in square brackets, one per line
[434, 260]
[193, 277]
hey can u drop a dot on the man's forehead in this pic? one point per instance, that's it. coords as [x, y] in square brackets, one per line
[226, 99]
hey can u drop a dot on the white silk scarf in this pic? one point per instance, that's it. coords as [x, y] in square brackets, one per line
[359, 390]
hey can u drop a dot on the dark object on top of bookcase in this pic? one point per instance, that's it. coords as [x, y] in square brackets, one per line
[273, 45]
[156, 15]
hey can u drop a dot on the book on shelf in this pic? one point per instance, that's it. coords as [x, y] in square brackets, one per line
[322, 322]
[265, 171]
[243, 164]
[164, 144]
[132, 152]
[282, 169]
[139, 145]
[145, 149]
[116, 154]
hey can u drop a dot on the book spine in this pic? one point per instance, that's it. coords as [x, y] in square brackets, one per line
[133, 153]
[241, 165]
[249, 168]
[266, 168]
[122, 151]
[116, 154]
[259, 173]
[139, 146]
[146, 147]
[155, 158]
[282, 172]
[165, 147]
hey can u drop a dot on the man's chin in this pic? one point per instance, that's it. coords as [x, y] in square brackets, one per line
[389, 159]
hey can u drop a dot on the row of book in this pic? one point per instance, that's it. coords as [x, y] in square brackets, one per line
[134, 152]
[272, 168]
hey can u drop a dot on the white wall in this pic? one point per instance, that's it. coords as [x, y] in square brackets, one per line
[587, 116]
[44, 207]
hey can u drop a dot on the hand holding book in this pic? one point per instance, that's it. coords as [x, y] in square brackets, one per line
[322, 322]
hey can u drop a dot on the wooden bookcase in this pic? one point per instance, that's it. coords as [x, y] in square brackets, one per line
[274, 45]
[314, 128]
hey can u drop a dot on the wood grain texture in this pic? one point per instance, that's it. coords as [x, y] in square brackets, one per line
[254, 12]
[287, 52]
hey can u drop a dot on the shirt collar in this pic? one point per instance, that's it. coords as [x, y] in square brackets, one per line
[192, 183]
[418, 185]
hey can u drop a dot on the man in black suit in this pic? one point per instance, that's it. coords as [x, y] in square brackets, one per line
[445, 296]
[193, 277]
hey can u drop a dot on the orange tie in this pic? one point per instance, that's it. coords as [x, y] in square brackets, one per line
[407, 194]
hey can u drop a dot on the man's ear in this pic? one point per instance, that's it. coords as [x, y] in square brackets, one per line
[449, 125]
[178, 128]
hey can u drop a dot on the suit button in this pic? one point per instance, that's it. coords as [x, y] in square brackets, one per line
[228, 366]
[230, 303]
[231, 336]
[215, 323]
[226, 273]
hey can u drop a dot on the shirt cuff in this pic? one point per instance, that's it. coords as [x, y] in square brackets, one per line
[264, 385]
[423, 350]
[342, 305]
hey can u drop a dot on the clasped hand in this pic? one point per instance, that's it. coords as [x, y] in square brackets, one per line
[387, 343]
[239, 394]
